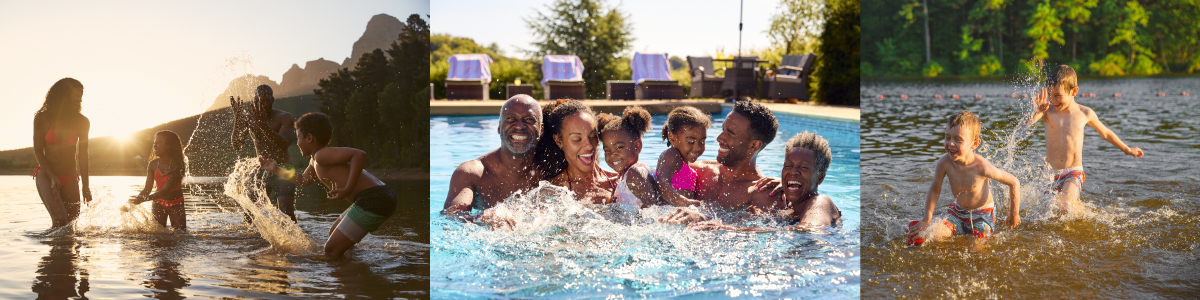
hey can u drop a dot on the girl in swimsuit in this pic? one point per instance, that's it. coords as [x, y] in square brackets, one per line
[60, 145]
[685, 134]
[622, 139]
[567, 157]
[165, 172]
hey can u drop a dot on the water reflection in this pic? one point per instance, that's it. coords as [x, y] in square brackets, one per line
[58, 275]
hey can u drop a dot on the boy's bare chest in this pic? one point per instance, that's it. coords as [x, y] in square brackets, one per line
[968, 179]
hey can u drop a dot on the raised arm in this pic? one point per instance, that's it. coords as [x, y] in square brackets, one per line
[1108, 135]
[1014, 192]
[1040, 106]
[81, 158]
[669, 163]
[238, 137]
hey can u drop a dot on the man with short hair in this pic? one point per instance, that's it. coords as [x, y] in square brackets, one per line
[272, 132]
[486, 181]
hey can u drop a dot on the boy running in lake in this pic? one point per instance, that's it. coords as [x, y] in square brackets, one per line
[972, 210]
[1064, 120]
[373, 201]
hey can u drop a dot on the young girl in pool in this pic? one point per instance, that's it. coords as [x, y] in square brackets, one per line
[685, 134]
[165, 171]
[622, 140]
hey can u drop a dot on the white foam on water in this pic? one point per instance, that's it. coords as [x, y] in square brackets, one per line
[243, 185]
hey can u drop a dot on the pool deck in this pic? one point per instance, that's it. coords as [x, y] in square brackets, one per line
[847, 114]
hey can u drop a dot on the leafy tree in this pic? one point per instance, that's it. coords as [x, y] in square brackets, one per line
[1044, 26]
[796, 25]
[599, 36]
[838, 70]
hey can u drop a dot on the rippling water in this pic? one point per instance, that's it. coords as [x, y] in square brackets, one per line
[115, 254]
[1140, 236]
[565, 249]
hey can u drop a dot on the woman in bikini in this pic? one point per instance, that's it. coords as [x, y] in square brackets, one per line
[60, 145]
[166, 171]
[568, 157]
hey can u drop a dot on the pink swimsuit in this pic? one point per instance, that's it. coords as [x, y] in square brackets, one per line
[684, 179]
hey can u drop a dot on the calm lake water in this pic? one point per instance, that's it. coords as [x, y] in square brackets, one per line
[112, 256]
[566, 250]
[1139, 238]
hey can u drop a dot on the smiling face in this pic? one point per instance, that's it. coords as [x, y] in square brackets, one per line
[960, 143]
[690, 141]
[520, 126]
[621, 149]
[1062, 98]
[306, 142]
[160, 146]
[801, 175]
[578, 139]
[735, 142]
[75, 99]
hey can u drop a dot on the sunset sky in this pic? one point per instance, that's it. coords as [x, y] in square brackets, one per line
[678, 27]
[143, 63]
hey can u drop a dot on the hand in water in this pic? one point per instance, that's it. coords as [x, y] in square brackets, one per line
[774, 184]
[1013, 220]
[267, 164]
[711, 225]
[915, 229]
[1135, 152]
[683, 216]
[497, 217]
[1040, 104]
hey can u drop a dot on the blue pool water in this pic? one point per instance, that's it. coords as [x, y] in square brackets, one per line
[577, 252]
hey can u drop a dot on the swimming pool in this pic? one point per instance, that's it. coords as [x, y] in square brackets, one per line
[578, 254]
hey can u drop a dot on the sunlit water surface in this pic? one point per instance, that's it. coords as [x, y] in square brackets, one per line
[117, 252]
[1138, 238]
[564, 249]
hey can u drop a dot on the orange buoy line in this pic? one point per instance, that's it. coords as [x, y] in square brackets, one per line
[1185, 94]
[978, 96]
[903, 96]
[955, 96]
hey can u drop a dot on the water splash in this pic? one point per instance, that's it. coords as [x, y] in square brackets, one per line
[245, 184]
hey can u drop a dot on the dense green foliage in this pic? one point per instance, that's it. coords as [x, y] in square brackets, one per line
[381, 107]
[505, 70]
[838, 54]
[996, 37]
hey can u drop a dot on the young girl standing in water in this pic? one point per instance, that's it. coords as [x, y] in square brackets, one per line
[165, 171]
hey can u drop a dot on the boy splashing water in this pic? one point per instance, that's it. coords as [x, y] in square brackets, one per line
[972, 210]
[1064, 120]
[341, 170]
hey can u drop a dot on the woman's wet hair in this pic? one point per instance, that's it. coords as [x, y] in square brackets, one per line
[174, 150]
[549, 158]
[634, 120]
[56, 98]
[683, 117]
[814, 142]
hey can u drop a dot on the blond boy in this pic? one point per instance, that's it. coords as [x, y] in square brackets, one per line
[1064, 120]
[968, 173]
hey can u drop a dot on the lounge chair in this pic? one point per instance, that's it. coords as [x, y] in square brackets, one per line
[652, 75]
[705, 83]
[790, 80]
[468, 76]
[562, 77]
[742, 79]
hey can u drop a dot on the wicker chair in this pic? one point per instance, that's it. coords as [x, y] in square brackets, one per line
[790, 80]
[742, 79]
[705, 83]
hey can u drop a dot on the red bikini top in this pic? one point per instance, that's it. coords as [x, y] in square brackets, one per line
[160, 180]
[53, 140]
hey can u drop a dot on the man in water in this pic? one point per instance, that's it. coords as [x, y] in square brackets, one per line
[732, 181]
[1064, 120]
[486, 181]
[272, 132]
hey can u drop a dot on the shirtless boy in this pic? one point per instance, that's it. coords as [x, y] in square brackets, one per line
[1064, 120]
[972, 210]
[341, 170]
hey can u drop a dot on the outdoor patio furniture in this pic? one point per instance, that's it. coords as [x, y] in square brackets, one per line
[652, 75]
[620, 90]
[513, 90]
[741, 80]
[468, 76]
[562, 77]
[790, 80]
[705, 83]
